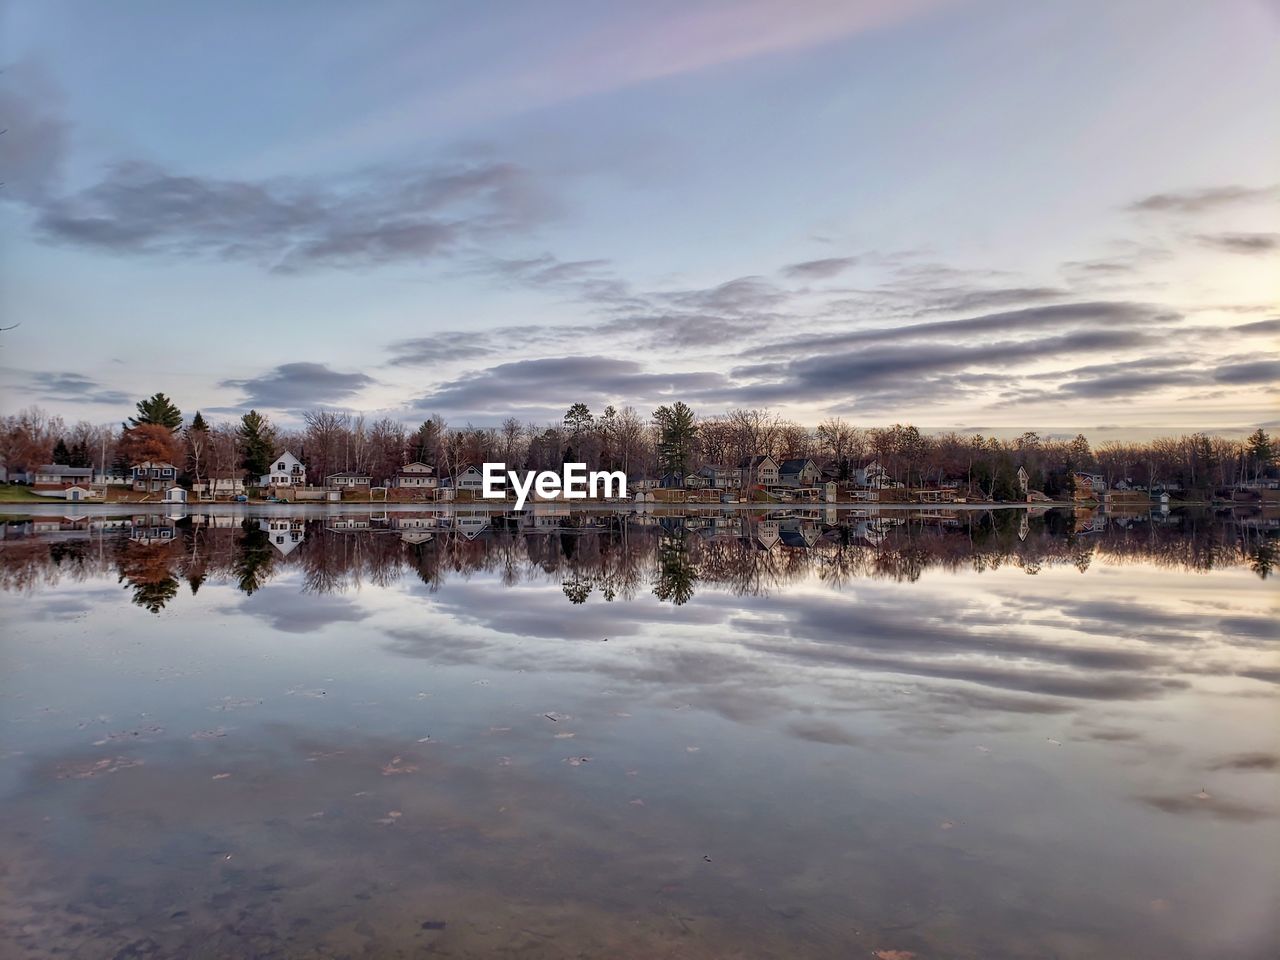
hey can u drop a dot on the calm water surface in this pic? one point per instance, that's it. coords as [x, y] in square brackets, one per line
[829, 735]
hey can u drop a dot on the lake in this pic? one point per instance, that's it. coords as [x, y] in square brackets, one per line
[817, 734]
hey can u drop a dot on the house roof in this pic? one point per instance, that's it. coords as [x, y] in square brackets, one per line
[754, 461]
[794, 465]
[63, 470]
[351, 474]
[417, 463]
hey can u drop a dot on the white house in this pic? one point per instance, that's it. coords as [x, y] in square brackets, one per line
[286, 471]
[348, 480]
[759, 470]
[225, 484]
[470, 479]
[868, 473]
[415, 476]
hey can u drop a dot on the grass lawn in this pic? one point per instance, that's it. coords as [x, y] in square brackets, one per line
[16, 493]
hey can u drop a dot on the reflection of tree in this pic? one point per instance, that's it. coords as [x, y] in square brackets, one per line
[147, 568]
[1262, 558]
[577, 588]
[619, 556]
[253, 565]
[676, 572]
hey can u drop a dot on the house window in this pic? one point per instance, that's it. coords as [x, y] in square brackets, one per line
[280, 465]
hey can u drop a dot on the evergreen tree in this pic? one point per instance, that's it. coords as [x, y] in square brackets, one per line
[157, 408]
[60, 452]
[257, 443]
[677, 431]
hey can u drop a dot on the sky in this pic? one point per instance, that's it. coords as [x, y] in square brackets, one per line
[988, 216]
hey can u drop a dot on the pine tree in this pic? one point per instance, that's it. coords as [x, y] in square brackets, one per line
[60, 452]
[677, 430]
[257, 441]
[157, 408]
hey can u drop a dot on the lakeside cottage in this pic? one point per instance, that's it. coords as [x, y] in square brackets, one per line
[760, 470]
[53, 479]
[286, 471]
[153, 476]
[348, 480]
[798, 473]
[415, 476]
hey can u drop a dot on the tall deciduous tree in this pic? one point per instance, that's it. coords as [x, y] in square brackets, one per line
[149, 441]
[157, 408]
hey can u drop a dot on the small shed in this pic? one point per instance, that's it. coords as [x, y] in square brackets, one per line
[175, 495]
[77, 493]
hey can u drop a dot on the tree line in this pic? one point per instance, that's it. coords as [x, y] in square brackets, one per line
[672, 440]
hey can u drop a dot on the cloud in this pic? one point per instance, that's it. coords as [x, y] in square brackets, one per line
[442, 347]
[1258, 326]
[34, 144]
[558, 381]
[1246, 243]
[1200, 201]
[291, 226]
[297, 385]
[819, 269]
[1099, 314]
[73, 388]
[744, 295]
[1249, 372]
[825, 376]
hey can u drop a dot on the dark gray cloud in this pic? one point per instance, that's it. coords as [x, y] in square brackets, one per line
[1108, 314]
[1246, 243]
[823, 269]
[1250, 372]
[556, 382]
[291, 386]
[826, 376]
[444, 347]
[1202, 200]
[73, 388]
[1258, 326]
[296, 225]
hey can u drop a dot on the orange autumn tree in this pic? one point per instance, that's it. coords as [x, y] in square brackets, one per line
[149, 441]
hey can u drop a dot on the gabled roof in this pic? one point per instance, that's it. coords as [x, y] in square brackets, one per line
[349, 474]
[752, 462]
[794, 465]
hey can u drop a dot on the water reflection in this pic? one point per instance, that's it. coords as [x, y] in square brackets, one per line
[612, 555]
[812, 734]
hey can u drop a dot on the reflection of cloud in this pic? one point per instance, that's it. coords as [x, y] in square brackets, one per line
[1219, 808]
[291, 612]
[1247, 761]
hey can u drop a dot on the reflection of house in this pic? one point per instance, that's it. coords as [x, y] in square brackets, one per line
[151, 530]
[471, 525]
[285, 534]
[760, 533]
[759, 471]
[415, 476]
[343, 524]
[152, 476]
[348, 480]
[796, 533]
[286, 471]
